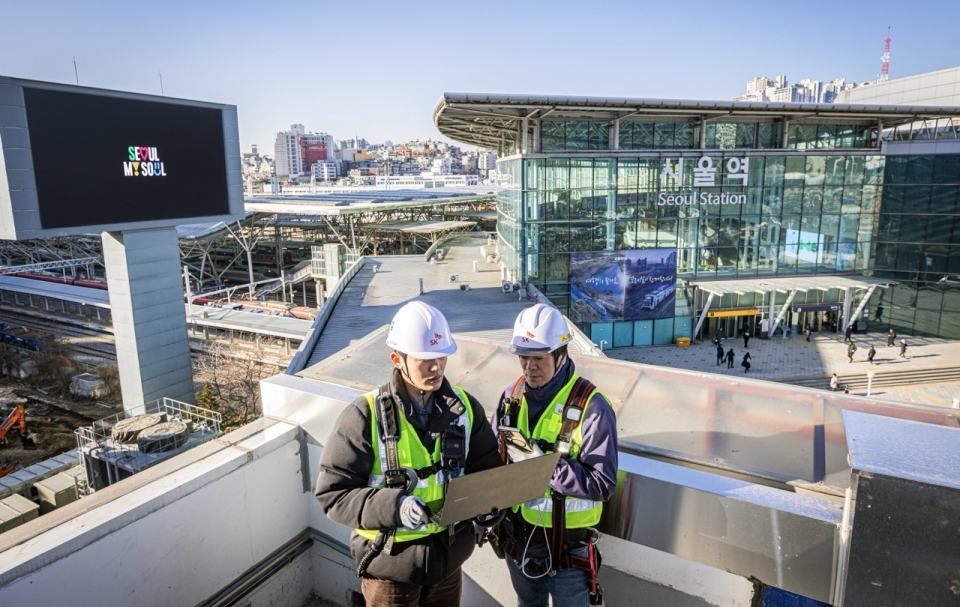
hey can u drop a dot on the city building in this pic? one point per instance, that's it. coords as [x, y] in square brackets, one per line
[325, 170]
[296, 150]
[777, 89]
[688, 216]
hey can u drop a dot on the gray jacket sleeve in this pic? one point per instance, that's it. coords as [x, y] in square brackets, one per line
[345, 466]
[593, 475]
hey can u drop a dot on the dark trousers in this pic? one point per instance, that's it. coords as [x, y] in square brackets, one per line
[729, 363]
[387, 593]
[719, 360]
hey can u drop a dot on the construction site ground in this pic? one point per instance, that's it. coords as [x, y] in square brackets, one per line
[52, 419]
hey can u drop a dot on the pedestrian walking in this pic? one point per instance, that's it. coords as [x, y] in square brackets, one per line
[891, 337]
[809, 331]
[879, 313]
[720, 355]
[834, 383]
[437, 431]
[719, 336]
[851, 350]
[730, 359]
[746, 339]
[847, 333]
[871, 353]
[903, 348]
[745, 363]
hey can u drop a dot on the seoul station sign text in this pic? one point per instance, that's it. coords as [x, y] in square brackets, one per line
[704, 176]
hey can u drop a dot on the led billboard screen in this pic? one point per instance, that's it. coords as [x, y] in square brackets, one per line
[622, 285]
[101, 160]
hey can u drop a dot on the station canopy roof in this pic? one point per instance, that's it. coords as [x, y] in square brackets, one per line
[417, 227]
[487, 120]
[803, 284]
[358, 201]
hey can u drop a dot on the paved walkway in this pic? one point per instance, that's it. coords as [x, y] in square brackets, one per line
[823, 355]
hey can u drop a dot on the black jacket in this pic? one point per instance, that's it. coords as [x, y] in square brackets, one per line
[345, 466]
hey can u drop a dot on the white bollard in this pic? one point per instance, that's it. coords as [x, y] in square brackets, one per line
[956, 404]
[474, 265]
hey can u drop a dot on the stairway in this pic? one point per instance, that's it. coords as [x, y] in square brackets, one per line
[882, 378]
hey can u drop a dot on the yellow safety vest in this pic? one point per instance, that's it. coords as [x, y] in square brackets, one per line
[413, 454]
[579, 512]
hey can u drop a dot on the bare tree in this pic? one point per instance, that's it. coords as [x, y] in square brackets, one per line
[231, 381]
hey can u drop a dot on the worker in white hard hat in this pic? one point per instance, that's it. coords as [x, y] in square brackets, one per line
[550, 543]
[384, 468]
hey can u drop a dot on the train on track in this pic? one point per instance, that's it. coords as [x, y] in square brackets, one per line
[91, 283]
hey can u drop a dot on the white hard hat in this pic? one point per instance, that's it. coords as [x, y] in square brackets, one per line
[421, 331]
[539, 330]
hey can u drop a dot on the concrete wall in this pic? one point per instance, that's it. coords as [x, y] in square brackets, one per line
[933, 88]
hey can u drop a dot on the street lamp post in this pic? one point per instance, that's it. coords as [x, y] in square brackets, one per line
[869, 381]
[602, 341]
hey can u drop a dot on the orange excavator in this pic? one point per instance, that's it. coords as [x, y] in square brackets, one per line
[18, 419]
[8, 467]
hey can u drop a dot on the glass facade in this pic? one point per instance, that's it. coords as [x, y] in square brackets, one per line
[765, 214]
[918, 245]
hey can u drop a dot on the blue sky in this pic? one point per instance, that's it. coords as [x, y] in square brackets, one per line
[376, 69]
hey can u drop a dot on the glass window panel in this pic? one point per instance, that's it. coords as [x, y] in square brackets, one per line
[754, 205]
[845, 136]
[644, 234]
[835, 166]
[795, 170]
[815, 170]
[792, 200]
[919, 169]
[788, 222]
[853, 175]
[871, 199]
[625, 234]
[826, 136]
[683, 135]
[581, 174]
[768, 135]
[916, 199]
[627, 175]
[849, 226]
[604, 173]
[756, 168]
[710, 136]
[643, 136]
[851, 200]
[552, 135]
[647, 206]
[663, 138]
[896, 169]
[812, 200]
[830, 227]
[946, 168]
[625, 136]
[687, 230]
[686, 261]
[627, 204]
[556, 266]
[582, 237]
[577, 135]
[943, 199]
[935, 261]
[908, 258]
[886, 256]
[667, 233]
[772, 201]
[773, 171]
[913, 228]
[873, 170]
[599, 136]
[649, 174]
[833, 199]
[746, 132]
[767, 263]
[892, 199]
[889, 227]
[926, 323]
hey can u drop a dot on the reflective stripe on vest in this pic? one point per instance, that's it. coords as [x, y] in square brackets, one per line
[413, 454]
[579, 512]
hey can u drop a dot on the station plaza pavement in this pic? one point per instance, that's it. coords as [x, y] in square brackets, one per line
[826, 353]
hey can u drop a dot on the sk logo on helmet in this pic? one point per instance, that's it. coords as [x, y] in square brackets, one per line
[436, 339]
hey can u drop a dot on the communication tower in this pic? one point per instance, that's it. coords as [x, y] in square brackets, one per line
[885, 59]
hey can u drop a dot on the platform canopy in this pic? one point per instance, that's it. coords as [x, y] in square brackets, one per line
[742, 286]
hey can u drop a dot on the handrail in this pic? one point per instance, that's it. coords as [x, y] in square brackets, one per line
[433, 248]
[302, 355]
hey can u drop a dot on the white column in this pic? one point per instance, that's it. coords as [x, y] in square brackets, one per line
[770, 313]
[149, 320]
[847, 302]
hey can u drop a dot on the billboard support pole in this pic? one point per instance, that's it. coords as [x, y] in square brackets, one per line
[783, 312]
[145, 286]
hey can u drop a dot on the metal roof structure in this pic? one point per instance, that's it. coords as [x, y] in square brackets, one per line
[55, 290]
[364, 201]
[419, 227]
[803, 284]
[248, 322]
[490, 120]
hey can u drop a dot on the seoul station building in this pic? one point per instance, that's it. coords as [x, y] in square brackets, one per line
[650, 220]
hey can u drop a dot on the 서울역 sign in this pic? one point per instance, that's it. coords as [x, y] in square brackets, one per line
[704, 176]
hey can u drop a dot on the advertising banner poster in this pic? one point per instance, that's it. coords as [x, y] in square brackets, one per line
[622, 285]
